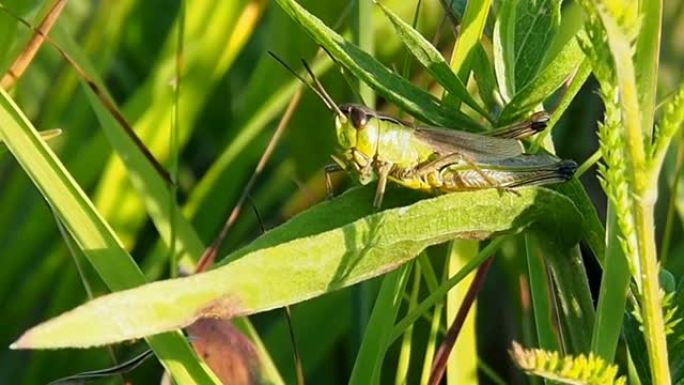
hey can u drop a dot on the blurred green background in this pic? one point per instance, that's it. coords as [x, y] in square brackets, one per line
[231, 101]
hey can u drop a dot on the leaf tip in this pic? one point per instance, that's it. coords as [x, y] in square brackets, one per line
[21, 343]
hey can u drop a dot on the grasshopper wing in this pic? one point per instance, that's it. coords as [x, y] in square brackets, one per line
[481, 148]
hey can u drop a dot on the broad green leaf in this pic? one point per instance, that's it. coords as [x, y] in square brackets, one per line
[432, 60]
[398, 90]
[91, 233]
[561, 60]
[328, 247]
[571, 91]
[536, 22]
[549, 80]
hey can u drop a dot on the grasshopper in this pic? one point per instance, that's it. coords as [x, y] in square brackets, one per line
[379, 147]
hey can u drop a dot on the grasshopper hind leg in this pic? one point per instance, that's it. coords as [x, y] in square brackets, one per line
[450, 159]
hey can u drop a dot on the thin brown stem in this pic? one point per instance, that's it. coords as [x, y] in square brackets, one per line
[447, 345]
[25, 57]
[209, 255]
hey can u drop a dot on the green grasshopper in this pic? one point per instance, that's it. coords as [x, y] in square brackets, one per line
[380, 147]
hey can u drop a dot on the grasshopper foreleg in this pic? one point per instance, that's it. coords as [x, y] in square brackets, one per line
[383, 171]
[329, 170]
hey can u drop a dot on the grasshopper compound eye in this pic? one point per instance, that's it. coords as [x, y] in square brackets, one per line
[357, 115]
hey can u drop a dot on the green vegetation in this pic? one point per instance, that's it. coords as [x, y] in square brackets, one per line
[117, 233]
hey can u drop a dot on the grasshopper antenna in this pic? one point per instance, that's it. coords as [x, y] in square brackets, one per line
[322, 89]
[345, 74]
[316, 86]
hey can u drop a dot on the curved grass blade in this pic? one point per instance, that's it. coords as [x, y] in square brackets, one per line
[92, 234]
[400, 91]
[330, 246]
[432, 60]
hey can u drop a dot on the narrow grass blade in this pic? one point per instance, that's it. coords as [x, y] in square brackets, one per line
[545, 319]
[612, 299]
[419, 103]
[572, 288]
[363, 36]
[432, 60]
[461, 367]
[647, 58]
[376, 338]
[504, 45]
[593, 232]
[204, 66]
[483, 72]
[116, 370]
[472, 26]
[92, 234]
[326, 248]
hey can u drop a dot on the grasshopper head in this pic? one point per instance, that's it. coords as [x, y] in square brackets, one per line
[357, 128]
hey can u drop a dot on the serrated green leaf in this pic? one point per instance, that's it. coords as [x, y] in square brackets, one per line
[432, 60]
[328, 247]
[398, 90]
